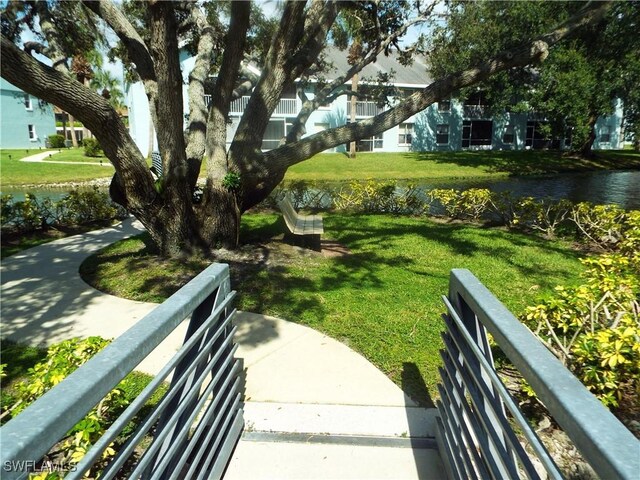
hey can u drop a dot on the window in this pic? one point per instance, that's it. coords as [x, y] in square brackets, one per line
[476, 133]
[509, 136]
[605, 134]
[368, 144]
[273, 135]
[32, 133]
[405, 133]
[444, 106]
[27, 102]
[442, 134]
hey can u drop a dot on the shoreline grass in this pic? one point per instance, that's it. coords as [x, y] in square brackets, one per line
[455, 165]
[382, 299]
[15, 173]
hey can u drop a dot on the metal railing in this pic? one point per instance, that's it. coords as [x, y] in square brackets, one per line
[367, 109]
[475, 436]
[286, 106]
[191, 431]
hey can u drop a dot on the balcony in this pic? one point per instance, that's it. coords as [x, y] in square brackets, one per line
[367, 109]
[285, 107]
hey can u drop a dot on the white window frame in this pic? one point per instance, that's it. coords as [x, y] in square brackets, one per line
[509, 130]
[28, 102]
[605, 134]
[446, 125]
[405, 130]
[33, 135]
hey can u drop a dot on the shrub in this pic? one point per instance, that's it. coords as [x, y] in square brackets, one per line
[27, 215]
[84, 206]
[379, 197]
[594, 328]
[92, 147]
[544, 215]
[62, 359]
[56, 141]
[599, 225]
[470, 204]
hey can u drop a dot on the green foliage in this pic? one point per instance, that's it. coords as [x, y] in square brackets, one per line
[27, 215]
[599, 225]
[92, 147]
[56, 141]
[580, 79]
[378, 197]
[61, 360]
[231, 181]
[594, 328]
[468, 204]
[78, 207]
[83, 206]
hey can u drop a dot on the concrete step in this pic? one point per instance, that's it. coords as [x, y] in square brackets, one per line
[319, 441]
[349, 420]
[262, 460]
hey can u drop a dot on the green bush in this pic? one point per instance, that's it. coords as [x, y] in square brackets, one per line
[594, 328]
[470, 204]
[379, 197]
[62, 359]
[76, 208]
[92, 147]
[84, 206]
[56, 141]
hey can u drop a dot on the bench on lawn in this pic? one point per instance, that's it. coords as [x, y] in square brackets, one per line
[304, 226]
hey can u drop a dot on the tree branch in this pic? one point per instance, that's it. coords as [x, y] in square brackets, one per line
[536, 51]
[136, 48]
[58, 88]
[168, 104]
[216, 151]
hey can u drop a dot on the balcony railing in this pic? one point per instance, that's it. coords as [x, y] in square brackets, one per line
[368, 109]
[192, 430]
[285, 107]
[475, 436]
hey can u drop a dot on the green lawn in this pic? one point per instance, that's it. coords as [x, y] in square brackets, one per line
[440, 165]
[16, 173]
[338, 167]
[383, 299]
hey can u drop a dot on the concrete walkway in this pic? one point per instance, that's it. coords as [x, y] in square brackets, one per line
[313, 407]
[43, 157]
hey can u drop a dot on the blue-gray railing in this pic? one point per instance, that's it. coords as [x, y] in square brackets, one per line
[192, 430]
[475, 435]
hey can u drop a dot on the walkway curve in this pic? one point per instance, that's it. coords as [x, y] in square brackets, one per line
[42, 156]
[298, 381]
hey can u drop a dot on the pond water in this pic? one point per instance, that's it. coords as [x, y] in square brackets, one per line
[603, 187]
[620, 188]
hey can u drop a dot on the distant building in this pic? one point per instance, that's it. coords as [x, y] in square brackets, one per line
[450, 125]
[25, 121]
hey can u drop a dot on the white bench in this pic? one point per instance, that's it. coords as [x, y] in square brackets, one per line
[300, 224]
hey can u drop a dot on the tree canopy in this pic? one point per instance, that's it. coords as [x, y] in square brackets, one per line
[580, 80]
[226, 38]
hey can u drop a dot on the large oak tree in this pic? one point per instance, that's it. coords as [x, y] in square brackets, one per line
[224, 37]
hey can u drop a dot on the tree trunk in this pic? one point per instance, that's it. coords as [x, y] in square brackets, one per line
[352, 115]
[72, 124]
[585, 149]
